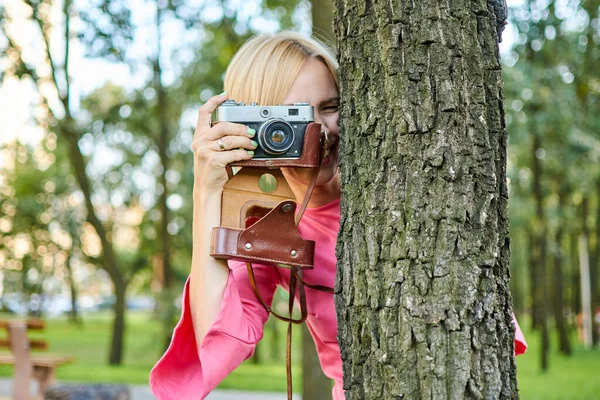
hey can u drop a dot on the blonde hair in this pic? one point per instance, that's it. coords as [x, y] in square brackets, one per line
[265, 67]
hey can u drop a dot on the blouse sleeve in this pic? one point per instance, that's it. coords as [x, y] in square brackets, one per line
[183, 372]
[520, 343]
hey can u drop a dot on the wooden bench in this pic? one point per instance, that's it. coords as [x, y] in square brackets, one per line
[28, 366]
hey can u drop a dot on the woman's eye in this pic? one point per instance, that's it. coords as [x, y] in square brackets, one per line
[331, 109]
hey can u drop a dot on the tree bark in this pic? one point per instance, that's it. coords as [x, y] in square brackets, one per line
[423, 296]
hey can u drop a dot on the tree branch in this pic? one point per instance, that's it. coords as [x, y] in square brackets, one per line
[67, 13]
[53, 68]
[28, 70]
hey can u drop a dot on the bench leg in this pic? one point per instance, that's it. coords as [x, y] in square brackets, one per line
[21, 382]
[45, 377]
[19, 345]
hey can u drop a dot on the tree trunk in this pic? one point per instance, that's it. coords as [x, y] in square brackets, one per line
[539, 250]
[118, 332]
[66, 127]
[109, 259]
[163, 143]
[595, 268]
[559, 303]
[315, 385]
[423, 302]
[518, 281]
[533, 267]
[275, 352]
[585, 276]
[322, 19]
[586, 296]
[575, 278]
[73, 314]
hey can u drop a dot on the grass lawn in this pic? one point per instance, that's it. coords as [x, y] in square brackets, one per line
[577, 377]
[568, 378]
[89, 345]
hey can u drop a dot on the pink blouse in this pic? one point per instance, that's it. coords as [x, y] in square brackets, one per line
[184, 373]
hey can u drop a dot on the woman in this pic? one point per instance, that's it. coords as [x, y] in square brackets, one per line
[222, 320]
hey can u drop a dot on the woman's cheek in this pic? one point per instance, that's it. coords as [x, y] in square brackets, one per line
[332, 123]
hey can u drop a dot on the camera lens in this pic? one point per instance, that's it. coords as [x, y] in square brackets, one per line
[276, 137]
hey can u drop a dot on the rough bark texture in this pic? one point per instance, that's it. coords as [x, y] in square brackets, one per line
[423, 301]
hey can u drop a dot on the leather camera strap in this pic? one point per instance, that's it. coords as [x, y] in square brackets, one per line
[296, 281]
[301, 293]
[313, 178]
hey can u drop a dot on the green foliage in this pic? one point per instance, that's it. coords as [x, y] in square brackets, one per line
[108, 31]
[34, 203]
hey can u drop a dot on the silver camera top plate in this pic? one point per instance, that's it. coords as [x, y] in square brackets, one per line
[239, 112]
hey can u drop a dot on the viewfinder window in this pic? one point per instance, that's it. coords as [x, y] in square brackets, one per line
[293, 112]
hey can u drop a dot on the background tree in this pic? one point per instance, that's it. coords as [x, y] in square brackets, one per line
[423, 302]
[550, 78]
[64, 124]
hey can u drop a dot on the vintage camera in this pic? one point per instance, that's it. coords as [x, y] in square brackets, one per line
[279, 129]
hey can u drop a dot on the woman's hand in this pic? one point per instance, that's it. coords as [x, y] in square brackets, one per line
[215, 147]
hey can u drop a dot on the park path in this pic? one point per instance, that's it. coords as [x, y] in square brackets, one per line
[142, 392]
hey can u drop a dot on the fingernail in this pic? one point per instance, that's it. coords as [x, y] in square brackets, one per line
[251, 152]
[224, 93]
[251, 132]
[255, 144]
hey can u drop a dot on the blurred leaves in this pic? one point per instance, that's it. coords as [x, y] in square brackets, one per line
[118, 127]
[107, 29]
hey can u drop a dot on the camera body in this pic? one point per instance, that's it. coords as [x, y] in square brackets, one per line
[279, 129]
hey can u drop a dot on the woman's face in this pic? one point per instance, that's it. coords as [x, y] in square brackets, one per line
[315, 85]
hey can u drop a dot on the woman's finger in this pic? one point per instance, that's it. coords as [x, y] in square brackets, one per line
[229, 129]
[205, 111]
[227, 157]
[233, 142]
